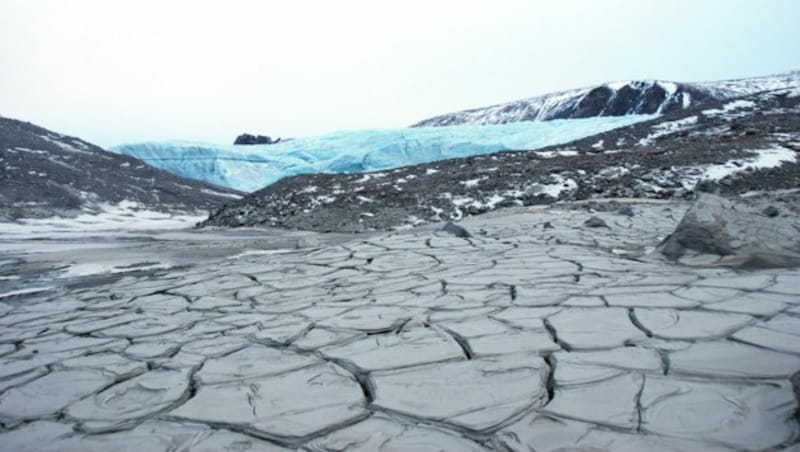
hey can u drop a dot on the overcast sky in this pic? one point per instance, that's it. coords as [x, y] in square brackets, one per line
[115, 71]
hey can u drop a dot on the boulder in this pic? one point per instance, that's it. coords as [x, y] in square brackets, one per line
[771, 211]
[456, 230]
[733, 232]
[626, 211]
[595, 222]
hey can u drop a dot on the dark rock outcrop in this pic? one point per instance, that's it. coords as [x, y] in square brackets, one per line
[247, 139]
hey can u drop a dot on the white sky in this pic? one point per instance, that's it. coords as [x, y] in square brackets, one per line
[114, 71]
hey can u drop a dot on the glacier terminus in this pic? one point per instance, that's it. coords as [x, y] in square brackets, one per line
[249, 168]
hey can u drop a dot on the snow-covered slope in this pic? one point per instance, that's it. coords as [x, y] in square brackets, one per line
[44, 173]
[615, 99]
[249, 168]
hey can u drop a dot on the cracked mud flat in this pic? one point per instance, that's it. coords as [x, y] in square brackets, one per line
[518, 337]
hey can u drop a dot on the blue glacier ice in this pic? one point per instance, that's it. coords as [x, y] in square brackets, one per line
[249, 168]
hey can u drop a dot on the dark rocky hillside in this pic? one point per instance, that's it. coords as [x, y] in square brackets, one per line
[45, 173]
[730, 147]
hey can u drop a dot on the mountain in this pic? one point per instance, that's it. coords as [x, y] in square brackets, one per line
[615, 99]
[253, 167]
[742, 146]
[45, 173]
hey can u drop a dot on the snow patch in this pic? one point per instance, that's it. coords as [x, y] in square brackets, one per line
[686, 100]
[414, 220]
[99, 268]
[670, 87]
[473, 182]
[218, 193]
[554, 189]
[731, 106]
[763, 159]
[321, 200]
[26, 291]
[551, 154]
[460, 201]
[561, 185]
[124, 216]
[613, 172]
[65, 146]
[494, 200]
[30, 151]
[668, 128]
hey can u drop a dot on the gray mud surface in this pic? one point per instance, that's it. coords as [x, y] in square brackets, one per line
[532, 331]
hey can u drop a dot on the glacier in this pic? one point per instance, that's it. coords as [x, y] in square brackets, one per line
[249, 168]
